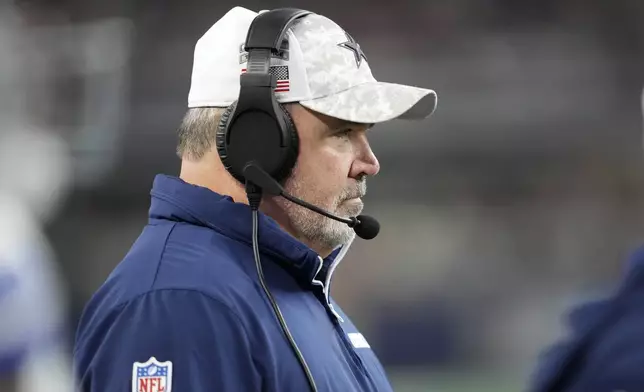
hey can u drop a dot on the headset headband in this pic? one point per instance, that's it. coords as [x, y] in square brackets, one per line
[268, 28]
[266, 34]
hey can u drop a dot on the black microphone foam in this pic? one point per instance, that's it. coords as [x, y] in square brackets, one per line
[367, 228]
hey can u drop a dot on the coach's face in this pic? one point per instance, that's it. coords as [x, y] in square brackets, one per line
[335, 159]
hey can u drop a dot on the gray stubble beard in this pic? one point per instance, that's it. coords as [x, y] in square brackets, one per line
[317, 229]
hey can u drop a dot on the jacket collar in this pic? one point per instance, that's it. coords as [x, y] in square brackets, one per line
[176, 200]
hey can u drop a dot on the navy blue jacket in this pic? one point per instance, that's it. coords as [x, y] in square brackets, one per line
[605, 348]
[185, 310]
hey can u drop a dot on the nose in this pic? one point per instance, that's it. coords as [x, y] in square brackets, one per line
[366, 162]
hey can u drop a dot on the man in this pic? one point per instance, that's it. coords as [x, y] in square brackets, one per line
[34, 179]
[605, 347]
[34, 345]
[185, 309]
[33, 342]
[604, 350]
[34, 351]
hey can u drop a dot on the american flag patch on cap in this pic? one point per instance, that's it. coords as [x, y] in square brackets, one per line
[281, 76]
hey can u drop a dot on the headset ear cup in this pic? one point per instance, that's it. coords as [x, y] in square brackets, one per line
[222, 135]
[293, 151]
[290, 154]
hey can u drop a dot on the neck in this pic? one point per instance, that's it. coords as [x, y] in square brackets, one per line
[211, 174]
[277, 212]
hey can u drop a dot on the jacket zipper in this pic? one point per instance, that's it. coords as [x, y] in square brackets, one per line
[336, 319]
[354, 356]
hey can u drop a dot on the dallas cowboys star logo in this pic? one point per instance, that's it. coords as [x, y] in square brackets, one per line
[353, 46]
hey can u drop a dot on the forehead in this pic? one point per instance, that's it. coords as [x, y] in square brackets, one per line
[304, 115]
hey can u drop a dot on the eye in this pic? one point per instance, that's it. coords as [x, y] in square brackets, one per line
[346, 132]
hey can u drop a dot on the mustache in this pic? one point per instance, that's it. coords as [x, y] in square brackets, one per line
[359, 190]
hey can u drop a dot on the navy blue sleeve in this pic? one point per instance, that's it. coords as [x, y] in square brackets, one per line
[168, 340]
[607, 360]
[615, 361]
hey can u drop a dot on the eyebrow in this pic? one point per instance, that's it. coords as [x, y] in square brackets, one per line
[348, 124]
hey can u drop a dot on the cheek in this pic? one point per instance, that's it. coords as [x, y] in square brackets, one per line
[325, 163]
[321, 177]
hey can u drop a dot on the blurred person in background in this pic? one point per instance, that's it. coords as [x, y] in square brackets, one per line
[34, 177]
[34, 341]
[604, 347]
[185, 309]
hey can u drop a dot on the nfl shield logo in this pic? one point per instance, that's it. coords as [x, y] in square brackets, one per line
[152, 376]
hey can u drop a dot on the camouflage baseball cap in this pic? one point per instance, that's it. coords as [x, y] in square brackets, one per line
[319, 65]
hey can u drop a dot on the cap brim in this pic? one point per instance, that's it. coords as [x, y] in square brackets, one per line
[376, 102]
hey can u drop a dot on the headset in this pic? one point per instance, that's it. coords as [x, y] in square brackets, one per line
[256, 128]
[258, 131]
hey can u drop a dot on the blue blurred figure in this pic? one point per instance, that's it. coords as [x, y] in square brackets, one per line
[34, 174]
[32, 344]
[604, 351]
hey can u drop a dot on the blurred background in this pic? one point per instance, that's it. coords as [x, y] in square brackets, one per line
[522, 196]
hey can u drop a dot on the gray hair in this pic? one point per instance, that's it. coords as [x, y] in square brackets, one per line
[197, 132]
